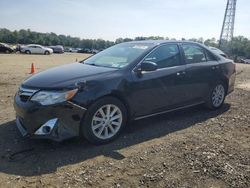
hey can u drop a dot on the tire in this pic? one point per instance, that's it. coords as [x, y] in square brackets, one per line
[216, 96]
[28, 52]
[99, 129]
[46, 53]
[7, 51]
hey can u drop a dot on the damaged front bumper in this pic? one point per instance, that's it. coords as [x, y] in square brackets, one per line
[55, 122]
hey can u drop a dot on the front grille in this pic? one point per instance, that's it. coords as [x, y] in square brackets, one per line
[24, 98]
[25, 94]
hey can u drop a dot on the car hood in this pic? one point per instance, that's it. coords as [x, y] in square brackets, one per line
[66, 76]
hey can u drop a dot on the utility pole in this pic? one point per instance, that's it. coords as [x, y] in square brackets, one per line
[227, 30]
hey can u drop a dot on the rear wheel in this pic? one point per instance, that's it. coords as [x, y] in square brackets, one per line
[216, 96]
[104, 120]
[28, 52]
[7, 51]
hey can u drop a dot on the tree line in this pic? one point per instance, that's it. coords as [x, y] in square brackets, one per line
[50, 39]
[239, 46]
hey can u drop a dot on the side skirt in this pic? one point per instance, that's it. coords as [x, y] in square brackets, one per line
[163, 112]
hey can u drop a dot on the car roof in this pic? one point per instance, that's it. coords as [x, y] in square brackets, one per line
[158, 42]
[155, 43]
[34, 45]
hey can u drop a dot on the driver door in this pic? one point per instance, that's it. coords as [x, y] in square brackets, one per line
[162, 89]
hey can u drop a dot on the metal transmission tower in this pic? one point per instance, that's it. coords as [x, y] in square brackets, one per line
[228, 22]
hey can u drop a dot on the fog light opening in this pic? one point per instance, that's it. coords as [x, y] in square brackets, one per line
[46, 129]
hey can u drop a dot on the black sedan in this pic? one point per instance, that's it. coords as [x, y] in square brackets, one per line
[4, 48]
[96, 97]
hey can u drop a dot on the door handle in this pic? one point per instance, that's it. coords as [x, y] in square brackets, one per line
[215, 67]
[181, 73]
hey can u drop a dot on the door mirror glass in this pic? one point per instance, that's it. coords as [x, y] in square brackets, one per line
[148, 66]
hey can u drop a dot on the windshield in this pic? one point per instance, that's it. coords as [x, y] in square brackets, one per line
[119, 55]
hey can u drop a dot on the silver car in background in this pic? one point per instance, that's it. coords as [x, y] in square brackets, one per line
[36, 49]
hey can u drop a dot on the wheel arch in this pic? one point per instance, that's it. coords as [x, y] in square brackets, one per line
[121, 98]
[117, 95]
[113, 95]
[225, 81]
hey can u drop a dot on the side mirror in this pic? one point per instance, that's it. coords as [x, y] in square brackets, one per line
[148, 66]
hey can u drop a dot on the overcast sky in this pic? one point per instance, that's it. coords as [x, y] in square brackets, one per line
[111, 19]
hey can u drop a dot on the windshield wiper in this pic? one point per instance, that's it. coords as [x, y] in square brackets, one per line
[93, 64]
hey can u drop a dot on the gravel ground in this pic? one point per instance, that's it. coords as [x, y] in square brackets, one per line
[189, 148]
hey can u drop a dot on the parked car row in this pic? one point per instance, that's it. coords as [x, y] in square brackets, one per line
[39, 49]
[73, 50]
[242, 60]
[81, 50]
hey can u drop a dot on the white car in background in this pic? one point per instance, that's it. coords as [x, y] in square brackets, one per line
[36, 49]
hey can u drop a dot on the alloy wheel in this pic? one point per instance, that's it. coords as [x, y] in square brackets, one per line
[218, 95]
[107, 121]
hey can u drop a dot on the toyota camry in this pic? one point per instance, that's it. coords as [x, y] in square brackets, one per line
[95, 98]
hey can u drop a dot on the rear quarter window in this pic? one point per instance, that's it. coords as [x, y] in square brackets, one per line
[210, 56]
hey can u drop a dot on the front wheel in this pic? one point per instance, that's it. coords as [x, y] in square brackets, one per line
[104, 120]
[46, 53]
[216, 96]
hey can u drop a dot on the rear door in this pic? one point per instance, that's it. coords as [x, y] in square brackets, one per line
[202, 70]
[162, 89]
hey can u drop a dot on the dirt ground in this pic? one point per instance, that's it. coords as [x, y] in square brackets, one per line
[189, 148]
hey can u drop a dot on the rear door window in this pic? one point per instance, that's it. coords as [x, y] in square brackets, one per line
[193, 54]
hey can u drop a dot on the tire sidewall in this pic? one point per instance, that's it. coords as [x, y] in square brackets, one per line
[86, 129]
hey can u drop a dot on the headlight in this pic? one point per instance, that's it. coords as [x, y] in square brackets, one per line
[50, 97]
